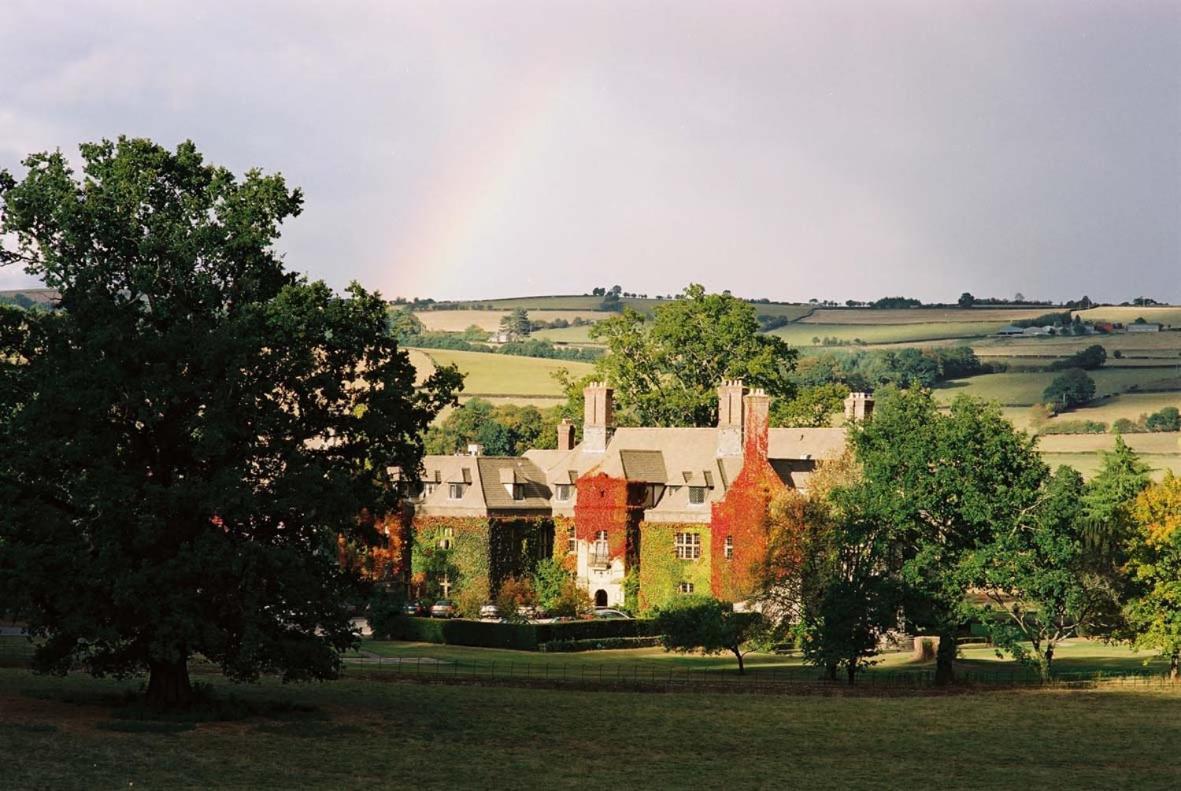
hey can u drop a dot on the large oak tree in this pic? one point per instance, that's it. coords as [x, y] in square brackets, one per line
[190, 434]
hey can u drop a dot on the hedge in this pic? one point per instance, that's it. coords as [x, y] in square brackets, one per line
[567, 646]
[519, 636]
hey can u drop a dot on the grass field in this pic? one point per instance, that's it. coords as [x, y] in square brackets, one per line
[1026, 388]
[921, 315]
[490, 374]
[575, 335]
[489, 320]
[802, 333]
[72, 733]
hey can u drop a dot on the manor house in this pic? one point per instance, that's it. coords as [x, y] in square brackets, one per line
[638, 514]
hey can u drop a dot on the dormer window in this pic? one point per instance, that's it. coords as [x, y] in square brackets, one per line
[563, 492]
[455, 491]
[518, 491]
[696, 495]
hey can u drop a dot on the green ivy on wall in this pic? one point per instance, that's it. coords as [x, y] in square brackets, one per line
[475, 554]
[662, 572]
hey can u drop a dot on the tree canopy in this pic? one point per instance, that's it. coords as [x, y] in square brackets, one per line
[188, 439]
[666, 368]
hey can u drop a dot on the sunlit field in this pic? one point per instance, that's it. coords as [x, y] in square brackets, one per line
[489, 320]
[506, 374]
[809, 334]
[921, 315]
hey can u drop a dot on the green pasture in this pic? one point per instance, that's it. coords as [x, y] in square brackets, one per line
[504, 374]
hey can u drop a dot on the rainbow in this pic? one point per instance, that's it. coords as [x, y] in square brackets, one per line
[469, 196]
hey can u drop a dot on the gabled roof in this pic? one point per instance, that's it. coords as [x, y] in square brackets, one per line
[489, 482]
[520, 472]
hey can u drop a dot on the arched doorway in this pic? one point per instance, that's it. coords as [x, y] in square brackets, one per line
[600, 598]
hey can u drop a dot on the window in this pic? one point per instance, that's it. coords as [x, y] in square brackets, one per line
[600, 552]
[455, 491]
[696, 495]
[428, 489]
[445, 541]
[571, 541]
[729, 550]
[685, 587]
[518, 491]
[563, 492]
[688, 546]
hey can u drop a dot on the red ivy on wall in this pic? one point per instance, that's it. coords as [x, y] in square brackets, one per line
[610, 504]
[742, 517]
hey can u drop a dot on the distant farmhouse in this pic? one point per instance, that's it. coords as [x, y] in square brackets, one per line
[640, 515]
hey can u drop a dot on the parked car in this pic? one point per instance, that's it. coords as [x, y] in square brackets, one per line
[443, 608]
[418, 608]
[607, 614]
[489, 612]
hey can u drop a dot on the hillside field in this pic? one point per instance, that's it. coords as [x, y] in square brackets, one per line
[1026, 388]
[489, 320]
[506, 375]
[920, 315]
[802, 333]
[1164, 314]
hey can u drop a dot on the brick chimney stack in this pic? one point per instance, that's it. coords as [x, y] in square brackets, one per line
[730, 412]
[858, 407]
[565, 435]
[757, 409]
[599, 417]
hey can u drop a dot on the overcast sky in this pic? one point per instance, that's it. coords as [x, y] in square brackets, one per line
[787, 150]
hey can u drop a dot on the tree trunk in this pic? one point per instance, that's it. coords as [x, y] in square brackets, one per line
[944, 656]
[168, 685]
[830, 670]
[741, 668]
[1047, 663]
[851, 669]
[1175, 666]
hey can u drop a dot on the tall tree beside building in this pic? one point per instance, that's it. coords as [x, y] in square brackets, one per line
[189, 437]
[945, 483]
[665, 368]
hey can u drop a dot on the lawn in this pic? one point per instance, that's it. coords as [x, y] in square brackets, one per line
[802, 333]
[71, 733]
[1073, 657]
[504, 374]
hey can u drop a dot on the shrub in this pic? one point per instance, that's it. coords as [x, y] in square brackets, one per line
[1166, 419]
[519, 636]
